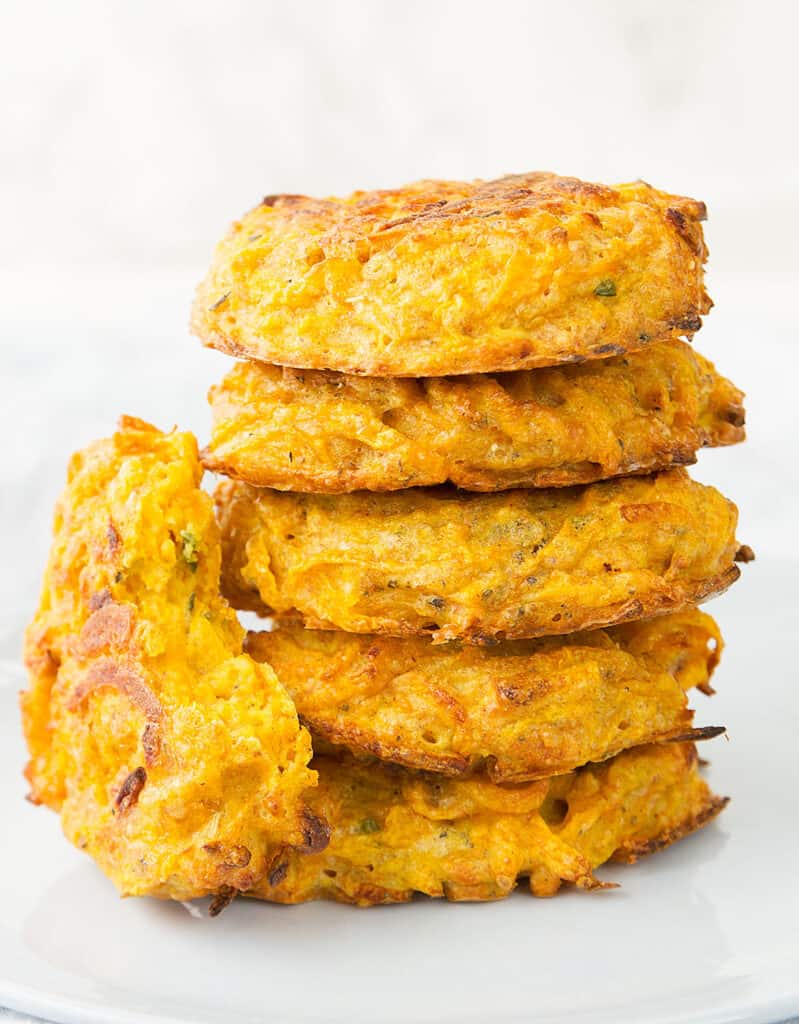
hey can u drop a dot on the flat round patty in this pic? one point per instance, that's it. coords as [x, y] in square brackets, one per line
[321, 431]
[520, 710]
[455, 565]
[395, 833]
[446, 277]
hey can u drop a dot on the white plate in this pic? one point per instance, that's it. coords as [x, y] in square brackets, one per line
[708, 930]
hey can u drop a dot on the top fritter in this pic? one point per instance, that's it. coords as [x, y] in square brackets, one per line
[441, 278]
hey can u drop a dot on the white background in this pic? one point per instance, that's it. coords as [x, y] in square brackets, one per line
[132, 133]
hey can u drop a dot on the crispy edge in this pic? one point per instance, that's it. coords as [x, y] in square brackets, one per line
[518, 356]
[368, 895]
[630, 852]
[675, 598]
[346, 482]
[352, 740]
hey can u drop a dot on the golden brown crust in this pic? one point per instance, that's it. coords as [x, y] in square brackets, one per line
[631, 850]
[175, 760]
[453, 565]
[444, 277]
[319, 431]
[396, 833]
[521, 710]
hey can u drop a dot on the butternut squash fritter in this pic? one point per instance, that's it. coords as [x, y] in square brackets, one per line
[396, 833]
[445, 277]
[521, 710]
[478, 567]
[175, 760]
[311, 430]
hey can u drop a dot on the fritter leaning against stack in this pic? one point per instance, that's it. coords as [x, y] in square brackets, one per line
[495, 683]
[175, 760]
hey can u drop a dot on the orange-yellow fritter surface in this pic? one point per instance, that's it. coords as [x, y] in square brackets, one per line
[396, 833]
[522, 709]
[448, 277]
[311, 430]
[455, 565]
[175, 761]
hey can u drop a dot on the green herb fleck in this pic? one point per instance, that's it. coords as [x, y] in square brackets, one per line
[192, 598]
[368, 826]
[119, 577]
[606, 288]
[436, 602]
[190, 550]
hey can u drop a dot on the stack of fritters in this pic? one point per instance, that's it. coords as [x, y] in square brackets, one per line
[496, 683]
[520, 338]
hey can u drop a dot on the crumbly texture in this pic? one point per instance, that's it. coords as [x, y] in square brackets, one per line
[446, 277]
[479, 567]
[396, 833]
[176, 761]
[311, 430]
[520, 710]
